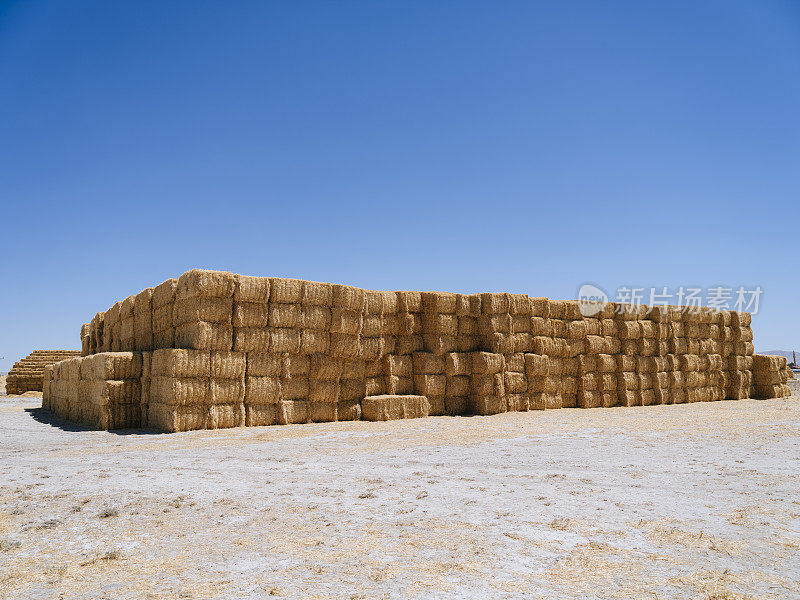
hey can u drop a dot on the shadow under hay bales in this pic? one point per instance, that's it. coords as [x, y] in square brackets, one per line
[47, 418]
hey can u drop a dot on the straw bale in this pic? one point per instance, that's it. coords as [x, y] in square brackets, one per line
[324, 390]
[164, 293]
[517, 402]
[589, 398]
[285, 291]
[457, 363]
[299, 364]
[318, 294]
[390, 407]
[440, 344]
[409, 302]
[345, 321]
[540, 326]
[740, 319]
[595, 344]
[428, 363]
[227, 391]
[251, 339]
[249, 289]
[430, 385]
[110, 365]
[293, 411]
[354, 368]
[492, 303]
[314, 341]
[576, 330]
[558, 328]
[204, 283]
[376, 386]
[228, 365]
[322, 412]
[629, 330]
[296, 388]
[606, 363]
[372, 325]
[180, 390]
[396, 384]
[204, 336]
[468, 305]
[487, 363]
[171, 418]
[262, 390]
[352, 389]
[325, 367]
[119, 391]
[284, 339]
[488, 384]
[162, 318]
[250, 314]
[372, 348]
[458, 385]
[544, 345]
[260, 415]
[487, 405]
[515, 383]
[401, 366]
[284, 315]
[348, 298]
[348, 411]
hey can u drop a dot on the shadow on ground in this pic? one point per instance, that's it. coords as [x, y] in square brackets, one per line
[47, 418]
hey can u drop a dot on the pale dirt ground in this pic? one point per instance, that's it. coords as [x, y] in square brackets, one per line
[687, 501]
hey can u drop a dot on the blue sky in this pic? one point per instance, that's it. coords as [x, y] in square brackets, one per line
[464, 146]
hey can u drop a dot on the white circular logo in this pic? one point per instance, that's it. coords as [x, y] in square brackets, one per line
[591, 299]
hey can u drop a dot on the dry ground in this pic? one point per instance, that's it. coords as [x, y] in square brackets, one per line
[689, 501]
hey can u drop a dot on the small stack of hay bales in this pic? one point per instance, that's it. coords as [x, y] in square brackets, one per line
[203, 309]
[770, 377]
[430, 380]
[196, 389]
[457, 370]
[143, 320]
[487, 383]
[102, 391]
[163, 303]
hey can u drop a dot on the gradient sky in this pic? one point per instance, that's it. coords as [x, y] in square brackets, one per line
[462, 146]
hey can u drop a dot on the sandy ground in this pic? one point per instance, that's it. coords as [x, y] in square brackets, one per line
[688, 501]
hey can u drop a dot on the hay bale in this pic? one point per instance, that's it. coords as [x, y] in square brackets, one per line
[314, 341]
[228, 391]
[458, 363]
[390, 407]
[457, 386]
[487, 405]
[352, 390]
[284, 339]
[293, 412]
[251, 339]
[204, 336]
[317, 294]
[485, 363]
[285, 291]
[260, 415]
[345, 321]
[205, 283]
[430, 385]
[228, 365]
[515, 383]
[348, 298]
[179, 391]
[468, 305]
[348, 411]
[248, 289]
[322, 412]
[396, 385]
[262, 390]
[250, 314]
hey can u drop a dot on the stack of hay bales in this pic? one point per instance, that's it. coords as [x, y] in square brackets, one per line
[196, 389]
[163, 302]
[27, 374]
[430, 380]
[203, 311]
[457, 370]
[770, 376]
[629, 333]
[261, 350]
[101, 390]
[487, 383]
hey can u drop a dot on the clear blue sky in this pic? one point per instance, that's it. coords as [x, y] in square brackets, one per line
[463, 146]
